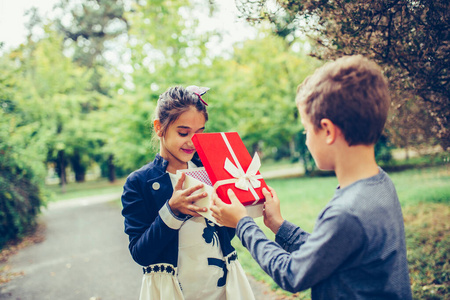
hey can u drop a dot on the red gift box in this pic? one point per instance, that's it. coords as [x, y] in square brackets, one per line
[229, 165]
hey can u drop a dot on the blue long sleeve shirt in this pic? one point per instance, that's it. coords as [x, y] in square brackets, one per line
[356, 250]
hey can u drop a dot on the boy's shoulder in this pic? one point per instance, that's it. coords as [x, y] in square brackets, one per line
[367, 195]
[370, 205]
[373, 201]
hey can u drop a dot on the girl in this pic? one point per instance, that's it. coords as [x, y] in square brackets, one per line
[184, 255]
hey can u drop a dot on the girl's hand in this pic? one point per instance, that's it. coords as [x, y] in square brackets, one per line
[227, 214]
[271, 211]
[182, 201]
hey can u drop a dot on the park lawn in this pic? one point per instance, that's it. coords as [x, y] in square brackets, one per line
[425, 198]
[85, 189]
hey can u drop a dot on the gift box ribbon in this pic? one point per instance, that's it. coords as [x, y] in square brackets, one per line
[242, 180]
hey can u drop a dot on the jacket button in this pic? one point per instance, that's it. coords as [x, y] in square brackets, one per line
[155, 186]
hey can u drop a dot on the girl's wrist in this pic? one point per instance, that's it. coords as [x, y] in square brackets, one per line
[173, 208]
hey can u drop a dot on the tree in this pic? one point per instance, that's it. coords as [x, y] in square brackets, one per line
[256, 95]
[409, 39]
[54, 92]
[22, 156]
[90, 24]
[252, 92]
[91, 29]
[164, 50]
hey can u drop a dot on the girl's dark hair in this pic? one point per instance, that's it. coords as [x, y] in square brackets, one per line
[175, 101]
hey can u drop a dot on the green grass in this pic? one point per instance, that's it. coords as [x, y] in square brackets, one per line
[423, 185]
[85, 189]
[425, 198]
[428, 242]
[269, 165]
[301, 199]
[435, 159]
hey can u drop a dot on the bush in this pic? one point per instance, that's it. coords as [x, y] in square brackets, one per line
[383, 150]
[22, 173]
[20, 203]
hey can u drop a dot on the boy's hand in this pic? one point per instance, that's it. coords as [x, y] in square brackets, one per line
[271, 211]
[182, 201]
[227, 214]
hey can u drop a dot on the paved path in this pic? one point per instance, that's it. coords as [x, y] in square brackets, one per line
[84, 256]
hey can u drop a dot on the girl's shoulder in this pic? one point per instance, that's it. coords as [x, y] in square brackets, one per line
[153, 169]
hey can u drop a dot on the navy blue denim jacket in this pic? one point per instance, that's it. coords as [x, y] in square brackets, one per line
[150, 224]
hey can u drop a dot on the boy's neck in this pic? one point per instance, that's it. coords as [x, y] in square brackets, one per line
[355, 163]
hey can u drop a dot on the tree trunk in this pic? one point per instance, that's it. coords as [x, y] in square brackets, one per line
[111, 169]
[78, 167]
[292, 149]
[61, 167]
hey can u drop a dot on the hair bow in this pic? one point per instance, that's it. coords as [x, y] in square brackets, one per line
[199, 91]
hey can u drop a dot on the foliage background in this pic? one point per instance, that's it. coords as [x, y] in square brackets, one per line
[80, 92]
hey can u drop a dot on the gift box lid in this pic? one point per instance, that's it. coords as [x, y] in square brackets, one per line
[229, 165]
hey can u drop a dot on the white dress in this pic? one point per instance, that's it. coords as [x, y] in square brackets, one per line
[203, 272]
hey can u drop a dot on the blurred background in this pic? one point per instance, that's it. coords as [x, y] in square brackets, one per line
[79, 81]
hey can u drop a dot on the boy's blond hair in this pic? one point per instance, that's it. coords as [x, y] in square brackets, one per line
[352, 93]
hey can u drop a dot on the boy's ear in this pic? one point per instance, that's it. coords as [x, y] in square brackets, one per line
[157, 127]
[331, 130]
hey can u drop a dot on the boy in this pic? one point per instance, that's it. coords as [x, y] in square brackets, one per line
[357, 248]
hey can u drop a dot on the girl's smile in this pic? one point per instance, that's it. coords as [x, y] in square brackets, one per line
[176, 145]
[188, 151]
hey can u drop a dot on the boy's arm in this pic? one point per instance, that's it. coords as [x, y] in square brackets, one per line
[336, 237]
[290, 237]
[287, 235]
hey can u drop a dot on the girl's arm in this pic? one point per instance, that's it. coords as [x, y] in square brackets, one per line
[149, 236]
[153, 224]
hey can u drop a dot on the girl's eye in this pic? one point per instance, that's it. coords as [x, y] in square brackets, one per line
[182, 134]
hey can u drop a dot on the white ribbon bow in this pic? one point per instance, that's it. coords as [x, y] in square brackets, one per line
[248, 179]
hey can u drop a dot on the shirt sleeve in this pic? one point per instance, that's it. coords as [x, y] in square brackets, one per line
[313, 258]
[169, 217]
[290, 237]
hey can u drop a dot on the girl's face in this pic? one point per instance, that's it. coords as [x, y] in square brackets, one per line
[176, 146]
